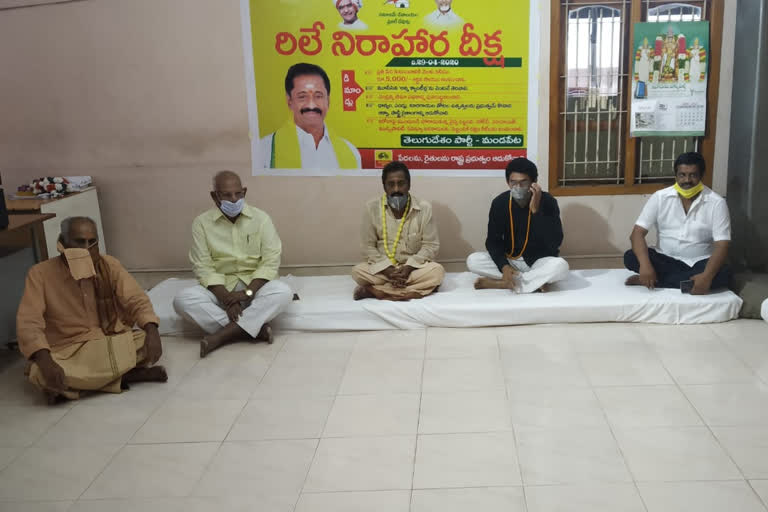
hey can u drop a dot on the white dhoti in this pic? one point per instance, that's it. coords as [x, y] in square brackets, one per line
[545, 270]
[199, 305]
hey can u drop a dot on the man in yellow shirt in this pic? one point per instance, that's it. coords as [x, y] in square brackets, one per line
[235, 256]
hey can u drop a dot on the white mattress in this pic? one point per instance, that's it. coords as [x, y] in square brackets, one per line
[764, 310]
[586, 296]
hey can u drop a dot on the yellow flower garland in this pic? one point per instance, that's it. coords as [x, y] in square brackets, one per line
[391, 255]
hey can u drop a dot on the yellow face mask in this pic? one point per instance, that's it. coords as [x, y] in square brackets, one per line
[79, 262]
[689, 192]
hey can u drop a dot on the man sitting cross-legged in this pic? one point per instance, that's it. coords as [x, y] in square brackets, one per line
[524, 236]
[235, 255]
[75, 321]
[400, 243]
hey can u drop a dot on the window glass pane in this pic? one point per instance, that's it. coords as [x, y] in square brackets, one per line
[593, 78]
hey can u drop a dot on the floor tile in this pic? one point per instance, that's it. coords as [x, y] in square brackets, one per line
[373, 415]
[447, 375]
[558, 456]
[555, 407]
[8, 453]
[489, 499]
[587, 338]
[674, 454]
[188, 420]
[273, 470]
[380, 376]
[377, 501]
[647, 406]
[36, 506]
[622, 369]
[748, 447]
[300, 417]
[482, 411]
[462, 344]
[599, 497]
[156, 470]
[319, 343]
[225, 376]
[699, 496]
[23, 425]
[730, 404]
[88, 423]
[54, 472]
[554, 365]
[686, 337]
[289, 377]
[706, 367]
[191, 504]
[390, 344]
[466, 460]
[362, 464]
[761, 488]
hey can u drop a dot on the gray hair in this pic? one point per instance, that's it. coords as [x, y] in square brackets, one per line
[66, 225]
[221, 175]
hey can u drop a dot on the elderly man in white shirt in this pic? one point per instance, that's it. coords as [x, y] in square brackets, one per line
[694, 230]
[304, 141]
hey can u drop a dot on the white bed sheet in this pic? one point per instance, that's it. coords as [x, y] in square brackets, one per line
[764, 310]
[586, 296]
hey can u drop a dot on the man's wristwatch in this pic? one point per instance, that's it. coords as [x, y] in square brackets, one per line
[248, 293]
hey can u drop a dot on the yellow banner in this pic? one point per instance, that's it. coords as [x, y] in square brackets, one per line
[437, 84]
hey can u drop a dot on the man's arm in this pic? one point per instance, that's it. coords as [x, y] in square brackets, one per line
[30, 331]
[202, 262]
[495, 241]
[640, 248]
[369, 238]
[546, 225]
[703, 282]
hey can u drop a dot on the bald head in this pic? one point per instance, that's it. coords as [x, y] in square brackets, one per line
[228, 188]
[78, 232]
[222, 177]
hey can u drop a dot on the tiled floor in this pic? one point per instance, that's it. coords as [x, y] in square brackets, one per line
[581, 418]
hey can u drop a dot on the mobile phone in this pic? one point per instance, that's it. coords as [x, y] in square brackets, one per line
[686, 286]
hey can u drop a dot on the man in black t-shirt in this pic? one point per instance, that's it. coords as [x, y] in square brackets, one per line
[524, 236]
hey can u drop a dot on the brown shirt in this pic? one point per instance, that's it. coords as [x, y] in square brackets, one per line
[56, 311]
[418, 244]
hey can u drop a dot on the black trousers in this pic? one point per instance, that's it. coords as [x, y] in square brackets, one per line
[670, 271]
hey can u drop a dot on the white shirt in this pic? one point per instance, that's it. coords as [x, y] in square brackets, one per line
[321, 156]
[688, 238]
[439, 19]
[357, 25]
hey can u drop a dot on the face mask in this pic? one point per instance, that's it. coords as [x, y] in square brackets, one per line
[231, 209]
[519, 193]
[689, 192]
[79, 261]
[397, 202]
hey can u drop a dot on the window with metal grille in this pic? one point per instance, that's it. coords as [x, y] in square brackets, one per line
[590, 148]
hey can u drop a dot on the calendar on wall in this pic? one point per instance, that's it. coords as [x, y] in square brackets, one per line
[669, 79]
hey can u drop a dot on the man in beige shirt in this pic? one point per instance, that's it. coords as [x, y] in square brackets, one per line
[399, 241]
[235, 256]
[75, 320]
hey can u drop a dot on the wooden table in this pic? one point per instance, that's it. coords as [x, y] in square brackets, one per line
[84, 203]
[25, 230]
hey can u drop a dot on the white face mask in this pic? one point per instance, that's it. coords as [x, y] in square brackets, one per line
[519, 193]
[231, 209]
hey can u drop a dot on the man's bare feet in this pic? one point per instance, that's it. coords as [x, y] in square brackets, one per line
[363, 292]
[544, 289]
[146, 374]
[486, 283]
[633, 280]
[225, 335]
[265, 334]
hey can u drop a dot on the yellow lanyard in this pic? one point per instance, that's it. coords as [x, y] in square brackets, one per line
[512, 232]
[391, 254]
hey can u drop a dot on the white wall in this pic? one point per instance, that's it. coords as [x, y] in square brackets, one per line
[148, 96]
